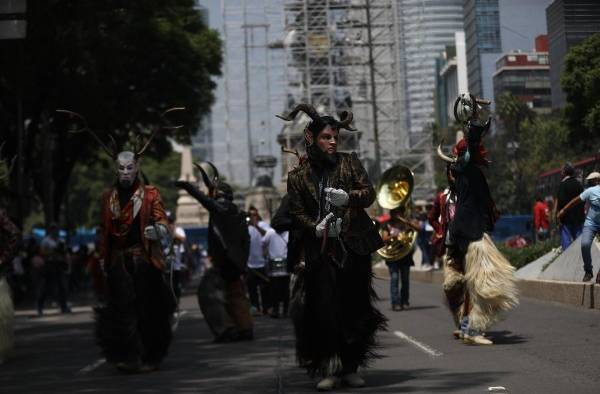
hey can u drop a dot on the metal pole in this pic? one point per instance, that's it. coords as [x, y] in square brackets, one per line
[248, 116]
[373, 93]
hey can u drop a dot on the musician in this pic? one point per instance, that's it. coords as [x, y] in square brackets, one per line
[335, 333]
[398, 226]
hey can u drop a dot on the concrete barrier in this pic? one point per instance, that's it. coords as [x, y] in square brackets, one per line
[585, 295]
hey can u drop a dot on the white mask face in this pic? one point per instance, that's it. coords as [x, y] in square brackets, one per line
[127, 168]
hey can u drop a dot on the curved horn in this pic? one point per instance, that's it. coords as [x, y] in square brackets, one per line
[162, 117]
[112, 153]
[217, 176]
[442, 156]
[346, 120]
[306, 108]
[205, 177]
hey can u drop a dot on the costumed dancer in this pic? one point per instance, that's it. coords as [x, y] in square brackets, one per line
[133, 328]
[221, 292]
[335, 327]
[9, 239]
[472, 258]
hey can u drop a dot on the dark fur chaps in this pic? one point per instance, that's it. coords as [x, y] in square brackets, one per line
[334, 318]
[135, 325]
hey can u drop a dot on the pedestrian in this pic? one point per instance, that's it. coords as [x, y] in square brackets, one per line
[479, 271]
[54, 251]
[133, 329]
[425, 232]
[571, 223]
[257, 279]
[541, 219]
[221, 292]
[275, 242]
[399, 269]
[591, 226]
[176, 255]
[335, 327]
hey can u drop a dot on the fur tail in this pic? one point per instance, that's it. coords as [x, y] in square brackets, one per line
[490, 281]
[7, 338]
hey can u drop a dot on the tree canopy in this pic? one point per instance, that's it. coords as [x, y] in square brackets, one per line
[117, 63]
[580, 81]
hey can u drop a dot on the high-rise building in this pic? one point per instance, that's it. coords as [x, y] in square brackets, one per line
[451, 79]
[426, 28]
[569, 23]
[251, 89]
[493, 27]
[527, 76]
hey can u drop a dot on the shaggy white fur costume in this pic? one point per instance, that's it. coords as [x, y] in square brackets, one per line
[490, 283]
[7, 338]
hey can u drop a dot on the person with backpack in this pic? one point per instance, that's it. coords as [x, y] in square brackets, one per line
[222, 292]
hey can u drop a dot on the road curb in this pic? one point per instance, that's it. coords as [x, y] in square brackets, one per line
[586, 295]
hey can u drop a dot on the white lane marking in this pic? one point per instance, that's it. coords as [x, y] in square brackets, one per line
[429, 350]
[92, 366]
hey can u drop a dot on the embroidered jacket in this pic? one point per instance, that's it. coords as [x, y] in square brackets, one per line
[9, 238]
[358, 230]
[117, 222]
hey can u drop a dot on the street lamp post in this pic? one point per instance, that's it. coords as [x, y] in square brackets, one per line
[13, 26]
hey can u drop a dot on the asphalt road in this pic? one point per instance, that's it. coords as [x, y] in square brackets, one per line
[540, 348]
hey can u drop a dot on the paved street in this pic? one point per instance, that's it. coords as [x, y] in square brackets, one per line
[540, 348]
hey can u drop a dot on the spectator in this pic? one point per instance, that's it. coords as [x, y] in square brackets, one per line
[55, 265]
[424, 241]
[399, 269]
[541, 219]
[275, 243]
[571, 222]
[177, 254]
[591, 226]
[257, 280]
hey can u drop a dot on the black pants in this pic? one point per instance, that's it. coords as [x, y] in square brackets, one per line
[280, 293]
[52, 277]
[257, 282]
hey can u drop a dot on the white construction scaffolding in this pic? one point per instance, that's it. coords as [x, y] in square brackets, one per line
[343, 55]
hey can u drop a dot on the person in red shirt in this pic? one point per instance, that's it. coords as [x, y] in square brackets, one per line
[541, 219]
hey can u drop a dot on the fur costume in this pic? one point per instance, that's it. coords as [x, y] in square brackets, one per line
[135, 325]
[332, 307]
[7, 336]
[479, 282]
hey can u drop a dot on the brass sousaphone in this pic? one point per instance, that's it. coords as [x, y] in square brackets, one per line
[393, 191]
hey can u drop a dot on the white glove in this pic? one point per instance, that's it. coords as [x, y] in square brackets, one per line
[337, 197]
[334, 229]
[156, 233]
[151, 233]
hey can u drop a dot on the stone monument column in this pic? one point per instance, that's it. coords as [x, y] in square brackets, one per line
[189, 211]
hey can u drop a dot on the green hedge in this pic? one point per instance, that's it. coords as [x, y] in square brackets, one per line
[520, 257]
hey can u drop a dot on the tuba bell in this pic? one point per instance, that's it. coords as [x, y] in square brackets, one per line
[393, 192]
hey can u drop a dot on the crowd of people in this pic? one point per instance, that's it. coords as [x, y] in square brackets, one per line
[320, 234]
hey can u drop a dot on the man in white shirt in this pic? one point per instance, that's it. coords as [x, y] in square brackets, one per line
[275, 244]
[257, 280]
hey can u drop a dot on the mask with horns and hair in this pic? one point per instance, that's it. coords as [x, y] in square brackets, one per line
[127, 162]
[317, 124]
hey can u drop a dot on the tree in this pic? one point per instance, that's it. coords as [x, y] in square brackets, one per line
[118, 63]
[580, 81]
[507, 155]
